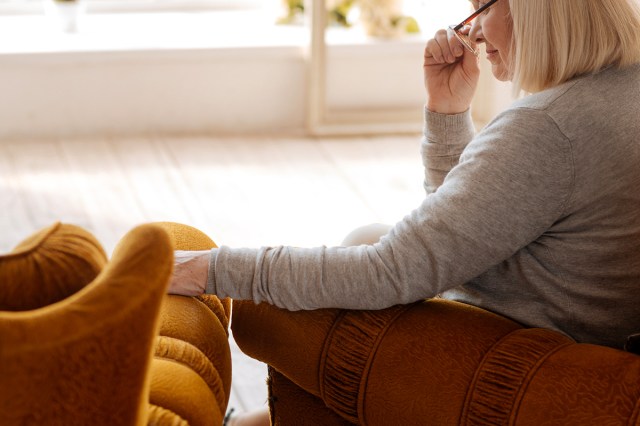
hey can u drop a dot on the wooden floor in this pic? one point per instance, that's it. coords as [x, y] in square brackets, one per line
[245, 192]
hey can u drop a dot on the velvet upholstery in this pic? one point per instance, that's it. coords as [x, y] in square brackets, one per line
[435, 362]
[48, 266]
[148, 357]
[290, 404]
[185, 237]
[191, 368]
[85, 359]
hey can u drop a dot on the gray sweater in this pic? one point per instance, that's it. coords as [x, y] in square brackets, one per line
[536, 218]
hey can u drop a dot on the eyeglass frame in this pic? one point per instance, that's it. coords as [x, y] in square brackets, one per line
[456, 28]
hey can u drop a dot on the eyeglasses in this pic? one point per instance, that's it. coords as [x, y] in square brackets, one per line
[464, 38]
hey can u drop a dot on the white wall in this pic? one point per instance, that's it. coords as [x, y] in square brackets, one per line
[239, 90]
[152, 92]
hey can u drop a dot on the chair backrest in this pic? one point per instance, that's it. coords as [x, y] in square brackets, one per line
[84, 359]
[48, 266]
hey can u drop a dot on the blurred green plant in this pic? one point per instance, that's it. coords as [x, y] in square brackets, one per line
[340, 14]
[294, 11]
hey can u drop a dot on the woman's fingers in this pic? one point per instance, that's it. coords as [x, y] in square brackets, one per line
[455, 44]
[450, 73]
[444, 42]
[444, 47]
[433, 53]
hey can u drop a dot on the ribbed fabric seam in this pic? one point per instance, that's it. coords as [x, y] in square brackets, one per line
[211, 377]
[35, 245]
[347, 358]
[224, 321]
[505, 387]
[325, 351]
[160, 413]
[527, 381]
[365, 374]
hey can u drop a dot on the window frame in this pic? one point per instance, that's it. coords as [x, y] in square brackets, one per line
[34, 7]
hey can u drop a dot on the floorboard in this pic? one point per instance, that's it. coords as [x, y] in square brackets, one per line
[240, 191]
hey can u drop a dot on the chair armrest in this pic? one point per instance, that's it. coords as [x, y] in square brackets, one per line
[185, 237]
[191, 370]
[375, 364]
[292, 342]
[85, 359]
[443, 361]
[191, 335]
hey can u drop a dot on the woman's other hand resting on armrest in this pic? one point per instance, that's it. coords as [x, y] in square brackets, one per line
[190, 272]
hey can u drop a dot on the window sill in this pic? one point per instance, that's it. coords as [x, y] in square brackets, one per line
[33, 34]
[36, 35]
[187, 73]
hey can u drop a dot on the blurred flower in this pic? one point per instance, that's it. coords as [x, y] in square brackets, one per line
[380, 18]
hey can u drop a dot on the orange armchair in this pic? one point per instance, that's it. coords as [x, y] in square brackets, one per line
[86, 340]
[432, 363]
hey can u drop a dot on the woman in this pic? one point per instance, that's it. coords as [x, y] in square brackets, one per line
[536, 218]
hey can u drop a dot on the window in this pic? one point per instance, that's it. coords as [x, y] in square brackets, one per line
[15, 7]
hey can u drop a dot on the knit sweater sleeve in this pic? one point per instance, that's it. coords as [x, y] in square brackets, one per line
[510, 184]
[445, 137]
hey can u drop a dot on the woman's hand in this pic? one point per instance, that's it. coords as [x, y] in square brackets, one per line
[451, 74]
[190, 272]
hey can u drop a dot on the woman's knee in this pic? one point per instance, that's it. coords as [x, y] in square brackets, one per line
[368, 234]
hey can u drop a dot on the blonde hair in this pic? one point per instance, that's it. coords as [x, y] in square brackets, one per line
[557, 40]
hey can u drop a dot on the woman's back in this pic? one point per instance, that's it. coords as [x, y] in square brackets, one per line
[582, 274]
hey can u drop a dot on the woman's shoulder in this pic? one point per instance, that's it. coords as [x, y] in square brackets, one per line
[591, 89]
[545, 99]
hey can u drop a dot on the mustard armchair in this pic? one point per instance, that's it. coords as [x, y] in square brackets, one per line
[90, 341]
[191, 369]
[432, 363]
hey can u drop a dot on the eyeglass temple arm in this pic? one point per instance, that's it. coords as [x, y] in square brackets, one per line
[473, 15]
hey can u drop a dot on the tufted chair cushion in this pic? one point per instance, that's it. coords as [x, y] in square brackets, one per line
[49, 266]
[85, 359]
[166, 364]
[191, 369]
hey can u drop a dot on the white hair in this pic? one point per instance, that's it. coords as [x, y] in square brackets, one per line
[557, 40]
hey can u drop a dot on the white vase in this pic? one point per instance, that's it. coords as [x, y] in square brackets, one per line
[64, 15]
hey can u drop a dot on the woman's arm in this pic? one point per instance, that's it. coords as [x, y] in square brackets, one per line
[445, 137]
[512, 184]
[451, 75]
